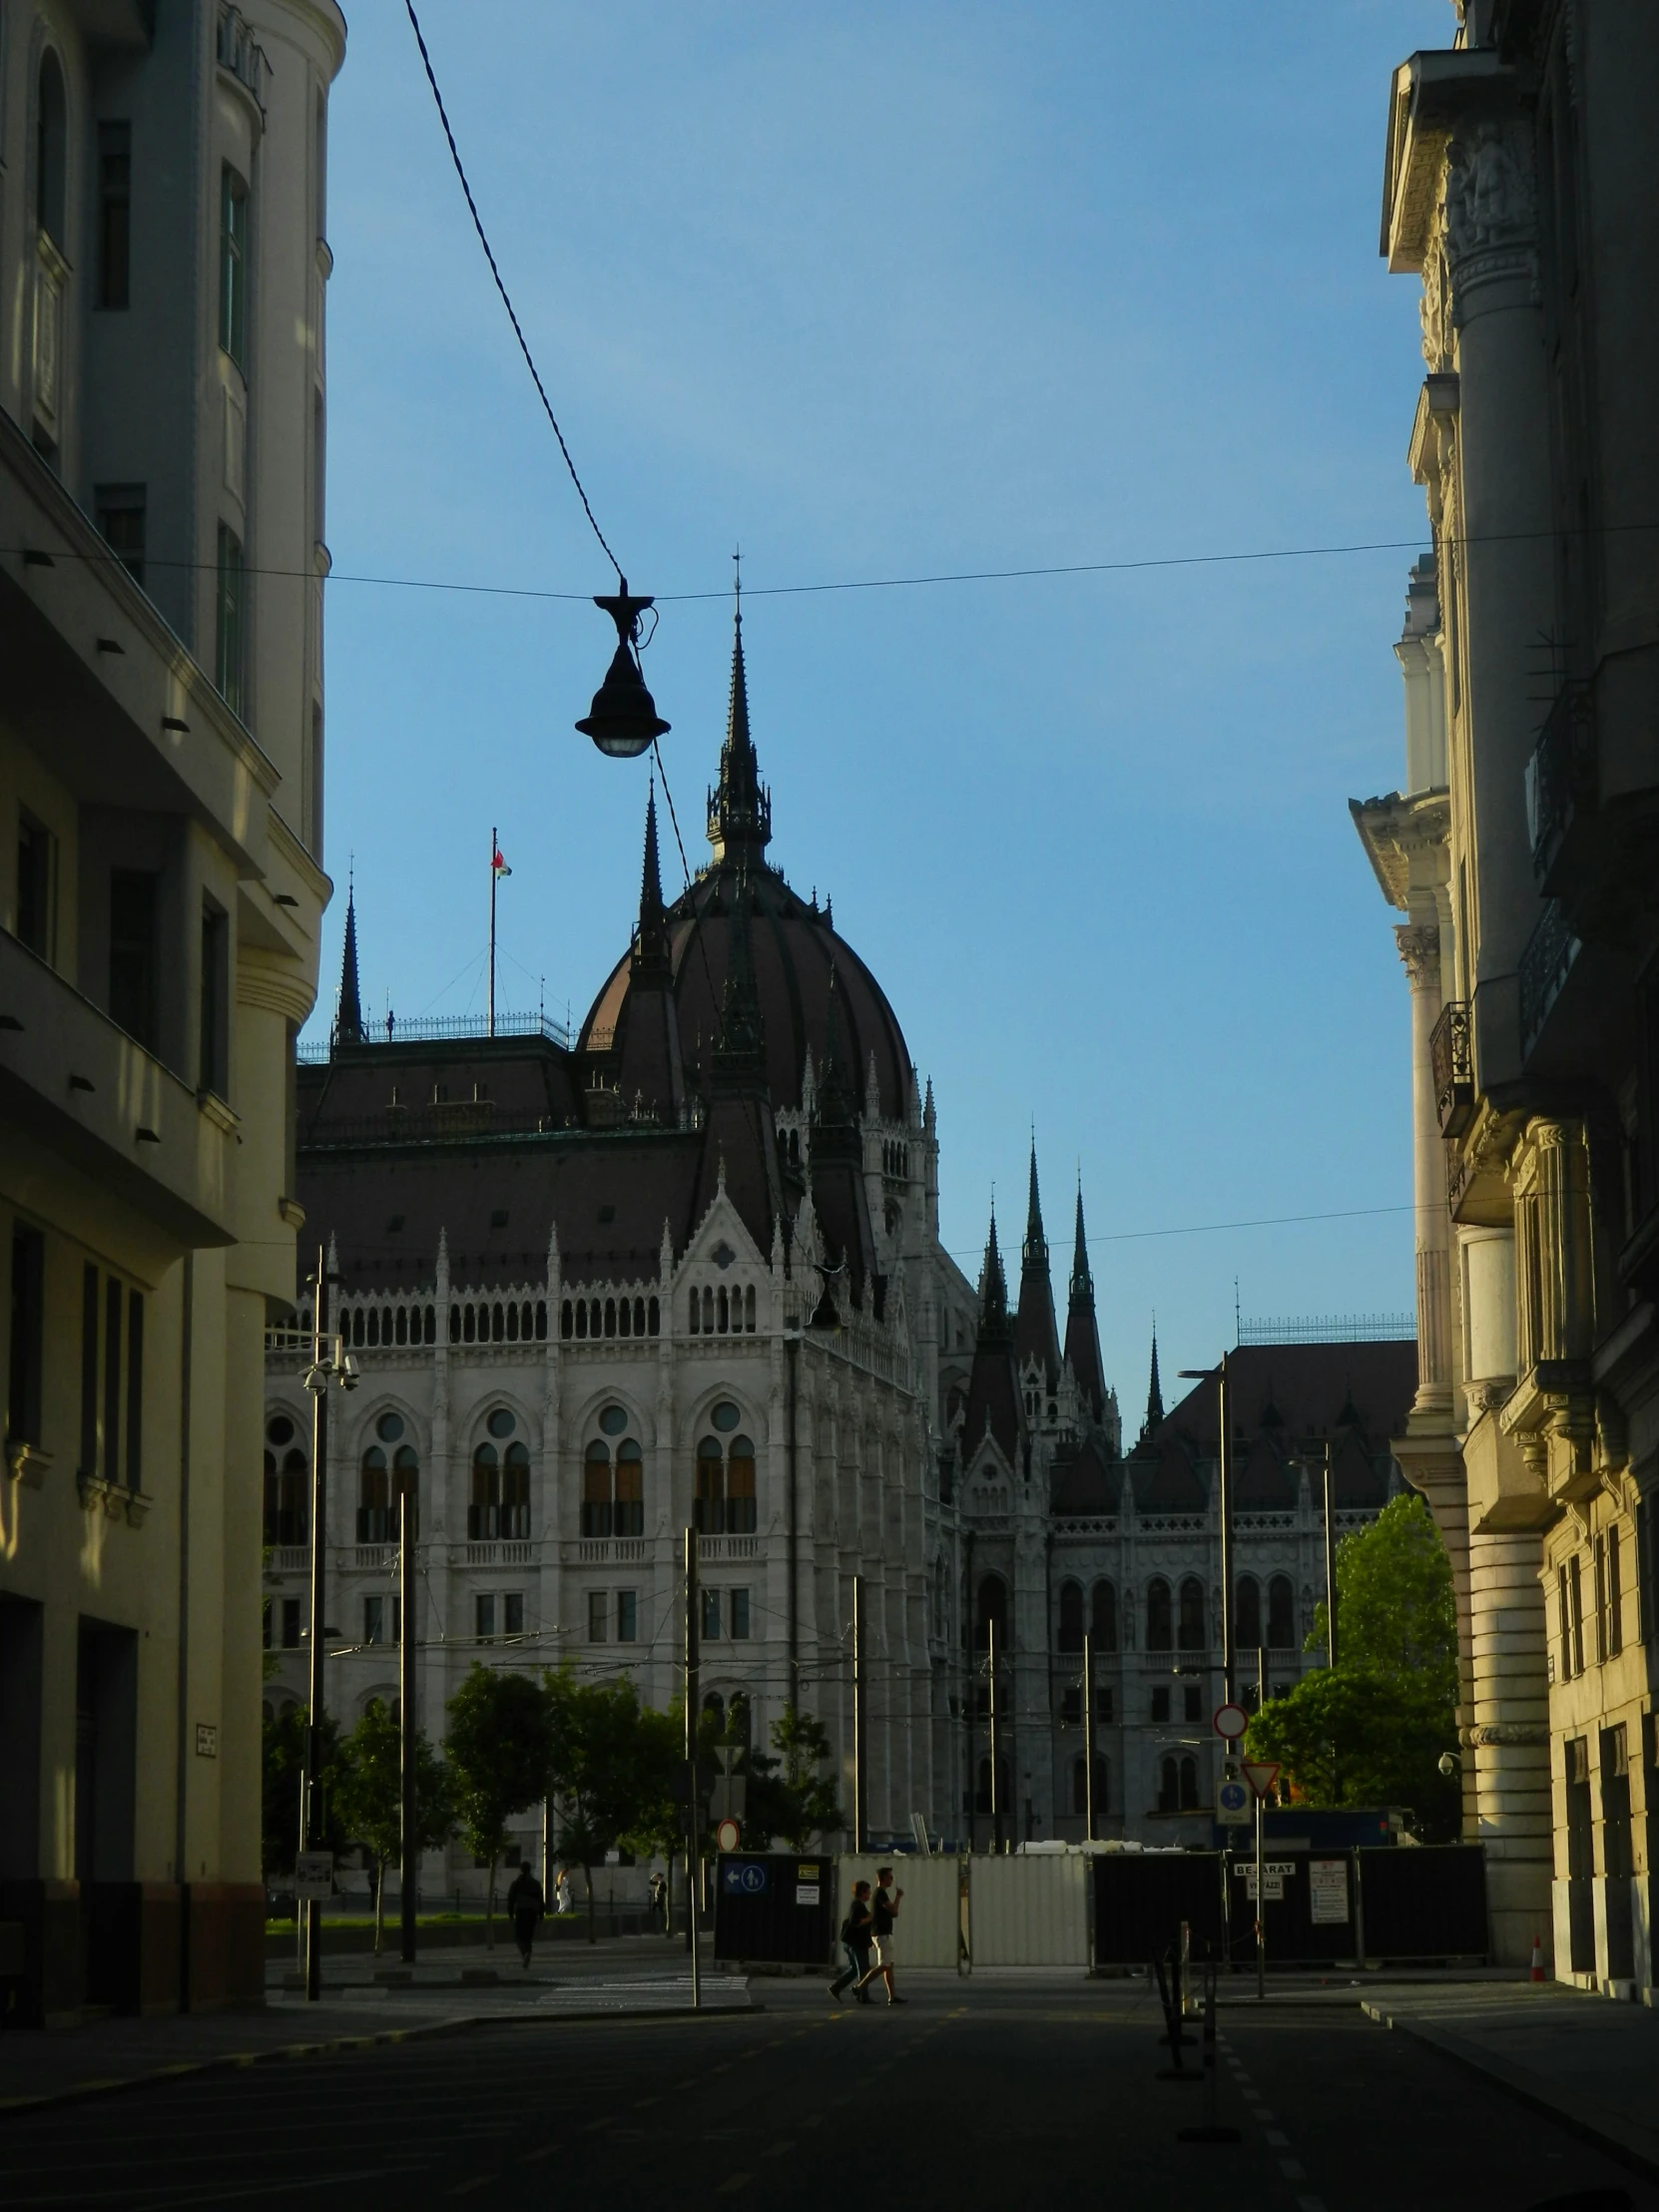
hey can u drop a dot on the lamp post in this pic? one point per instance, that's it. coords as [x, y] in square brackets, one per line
[1228, 1656]
[332, 1366]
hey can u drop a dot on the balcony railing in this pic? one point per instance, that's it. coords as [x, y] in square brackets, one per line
[1561, 779]
[1452, 1056]
[241, 54]
[1544, 967]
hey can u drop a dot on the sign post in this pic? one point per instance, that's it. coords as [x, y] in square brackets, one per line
[1261, 1774]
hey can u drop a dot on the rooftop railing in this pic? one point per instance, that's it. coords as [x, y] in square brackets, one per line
[441, 1029]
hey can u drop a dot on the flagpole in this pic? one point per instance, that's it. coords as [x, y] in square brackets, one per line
[494, 849]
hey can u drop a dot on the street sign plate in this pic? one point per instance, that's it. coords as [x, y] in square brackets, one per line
[313, 1875]
[745, 1878]
[727, 1836]
[1328, 1891]
[1261, 1774]
[1233, 1803]
[1229, 1721]
[807, 1893]
[1272, 1885]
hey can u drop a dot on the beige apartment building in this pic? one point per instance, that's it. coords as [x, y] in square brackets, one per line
[1519, 189]
[162, 402]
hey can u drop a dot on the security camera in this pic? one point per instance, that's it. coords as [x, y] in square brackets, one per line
[350, 1375]
[1448, 1764]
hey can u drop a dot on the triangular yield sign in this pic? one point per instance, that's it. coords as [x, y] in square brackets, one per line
[1261, 1774]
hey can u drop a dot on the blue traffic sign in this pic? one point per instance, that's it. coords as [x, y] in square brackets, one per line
[745, 1876]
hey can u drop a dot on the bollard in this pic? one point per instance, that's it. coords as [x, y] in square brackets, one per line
[1210, 2131]
[1169, 1990]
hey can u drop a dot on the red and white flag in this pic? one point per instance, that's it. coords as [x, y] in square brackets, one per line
[499, 865]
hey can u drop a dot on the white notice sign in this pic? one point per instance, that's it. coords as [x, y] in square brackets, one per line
[1273, 1884]
[313, 1876]
[807, 1893]
[1328, 1891]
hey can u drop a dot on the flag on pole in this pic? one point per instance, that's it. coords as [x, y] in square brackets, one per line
[499, 865]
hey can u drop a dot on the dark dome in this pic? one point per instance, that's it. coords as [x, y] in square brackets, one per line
[793, 949]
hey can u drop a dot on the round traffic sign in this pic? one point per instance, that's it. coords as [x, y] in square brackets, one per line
[727, 1836]
[1230, 1721]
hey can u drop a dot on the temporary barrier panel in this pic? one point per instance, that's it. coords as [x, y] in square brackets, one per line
[1424, 1904]
[1301, 1925]
[1028, 1912]
[780, 1907]
[1142, 1898]
[928, 1931]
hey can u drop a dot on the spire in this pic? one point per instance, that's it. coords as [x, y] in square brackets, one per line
[651, 946]
[993, 1286]
[1154, 1395]
[739, 808]
[348, 1015]
[1036, 1337]
[1082, 1331]
[1082, 1282]
[835, 1109]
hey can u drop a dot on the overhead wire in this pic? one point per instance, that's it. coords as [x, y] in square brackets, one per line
[506, 301]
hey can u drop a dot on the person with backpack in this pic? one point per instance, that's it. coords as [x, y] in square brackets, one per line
[855, 1940]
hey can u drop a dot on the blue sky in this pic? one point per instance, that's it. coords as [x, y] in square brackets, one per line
[878, 291]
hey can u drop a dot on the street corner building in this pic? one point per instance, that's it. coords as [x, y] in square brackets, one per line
[1523, 856]
[683, 1269]
[162, 278]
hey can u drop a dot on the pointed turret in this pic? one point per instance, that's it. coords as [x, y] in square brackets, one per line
[993, 1400]
[1082, 1331]
[651, 946]
[836, 1109]
[1035, 1335]
[740, 807]
[1154, 1395]
[348, 1015]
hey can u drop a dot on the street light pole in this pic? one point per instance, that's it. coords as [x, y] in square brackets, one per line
[1224, 1485]
[1088, 1737]
[1261, 1833]
[861, 1735]
[408, 1506]
[996, 1790]
[692, 1838]
[310, 1821]
[1330, 1560]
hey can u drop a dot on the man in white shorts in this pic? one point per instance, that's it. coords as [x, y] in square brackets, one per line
[883, 1911]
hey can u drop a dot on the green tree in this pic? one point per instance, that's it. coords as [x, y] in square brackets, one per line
[370, 1797]
[599, 1769]
[787, 1796]
[1372, 1729]
[501, 1748]
[657, 1825]
[283, 1761]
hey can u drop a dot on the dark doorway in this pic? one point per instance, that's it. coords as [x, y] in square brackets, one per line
[1617, 1861]
[106, 1751]
[1581, 1918]
[20, 1686]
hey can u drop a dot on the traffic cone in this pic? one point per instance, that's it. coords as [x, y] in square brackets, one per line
[1537, 1974]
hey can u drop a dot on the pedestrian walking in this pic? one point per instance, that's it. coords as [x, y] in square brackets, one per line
[856, 1935]
[883, 1911]
[656, 1891]
[561, 1891]
[526, 1904]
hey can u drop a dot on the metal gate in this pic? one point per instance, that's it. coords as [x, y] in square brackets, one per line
[1142, 1898]
[777, 1906]
[1428, 1903]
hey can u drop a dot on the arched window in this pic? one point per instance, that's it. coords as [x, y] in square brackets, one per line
[1191, 1630]
[613, 1480]
[726, 1500]
[1189, 1785]
[739, 1719]
[1159, 1627]
[286, 1484]
[1281, 1614]
[1169, 1787]
[1079, 1797]
[374, 1506]
[715, 1705]
[1247, 1612]
[1072, 1617]
[1103, 1616]
[993, 1606]
[405, 1490]
[50, 150]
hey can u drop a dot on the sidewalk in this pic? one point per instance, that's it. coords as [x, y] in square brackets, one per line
[1587, 2061]
[109, 2055]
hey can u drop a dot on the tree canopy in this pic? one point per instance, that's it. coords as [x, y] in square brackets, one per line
[1372, 1729]
[370, 1796]
[501, 1746]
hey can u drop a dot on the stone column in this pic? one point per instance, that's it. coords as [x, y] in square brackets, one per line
[1510, 1739]
[1419, 948]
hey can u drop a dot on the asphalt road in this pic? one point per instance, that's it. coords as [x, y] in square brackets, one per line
[973, 2094]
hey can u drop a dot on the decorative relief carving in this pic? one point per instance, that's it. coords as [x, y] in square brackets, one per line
[1434, 308]
[1489, 214]
[1419, 948]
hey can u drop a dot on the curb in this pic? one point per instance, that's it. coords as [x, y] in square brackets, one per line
[338, 2046]
[1593, 2123]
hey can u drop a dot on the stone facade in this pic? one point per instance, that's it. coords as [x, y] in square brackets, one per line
[161, 894]
[1523, 854]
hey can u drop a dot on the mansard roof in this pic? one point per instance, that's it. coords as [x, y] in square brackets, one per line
[1091, 1482]
[1166, 1480]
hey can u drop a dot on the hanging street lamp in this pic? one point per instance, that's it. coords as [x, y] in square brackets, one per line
[623, 720]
